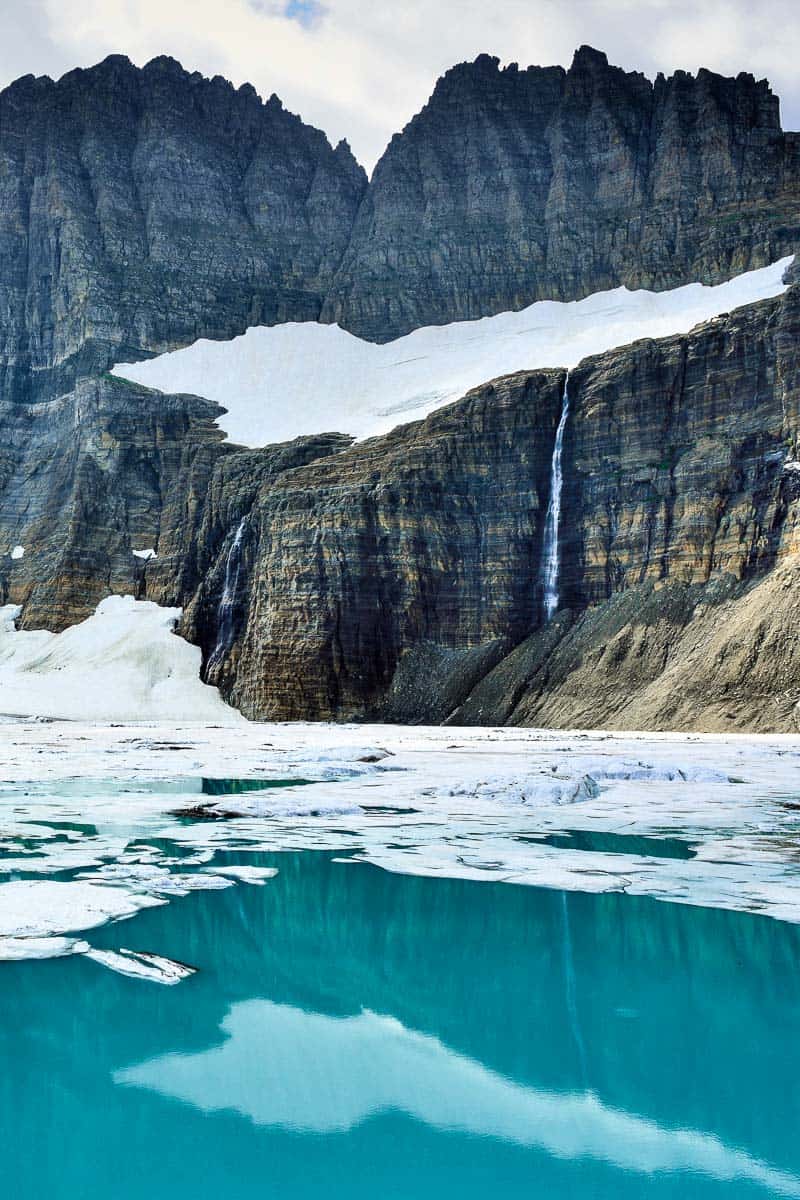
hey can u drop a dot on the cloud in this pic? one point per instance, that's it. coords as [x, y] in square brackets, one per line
[360, 69]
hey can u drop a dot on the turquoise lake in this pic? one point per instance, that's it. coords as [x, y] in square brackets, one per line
[354, 1033]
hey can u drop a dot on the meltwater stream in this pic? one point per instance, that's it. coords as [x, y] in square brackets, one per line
[550, 551]
[352, 1033]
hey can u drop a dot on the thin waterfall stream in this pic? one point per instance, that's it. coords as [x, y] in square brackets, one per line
[550, 546]
[233, 568]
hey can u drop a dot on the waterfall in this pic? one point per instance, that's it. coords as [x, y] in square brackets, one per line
[233, 568]
[550, 547]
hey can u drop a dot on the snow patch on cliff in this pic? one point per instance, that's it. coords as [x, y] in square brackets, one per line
[304, 378]
[124, 663]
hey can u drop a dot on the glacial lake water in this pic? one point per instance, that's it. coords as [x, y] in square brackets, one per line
[355, 1033]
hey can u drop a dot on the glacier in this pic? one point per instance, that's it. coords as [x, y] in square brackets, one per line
[283, 381]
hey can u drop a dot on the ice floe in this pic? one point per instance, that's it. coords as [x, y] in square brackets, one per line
[120, 814]
[140, 965]
[245, 874]
[302, 378]
[39, 908]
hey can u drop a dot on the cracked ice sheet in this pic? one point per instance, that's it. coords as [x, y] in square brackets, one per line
[101, 807]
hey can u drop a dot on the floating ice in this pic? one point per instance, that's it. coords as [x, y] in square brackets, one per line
[14, 949]
[139, 965]
[472, 803]
[245, 874]
[39, 908]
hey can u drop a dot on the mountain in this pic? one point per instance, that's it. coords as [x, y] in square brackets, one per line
[400, 577]
[141, 209]
[513, 186]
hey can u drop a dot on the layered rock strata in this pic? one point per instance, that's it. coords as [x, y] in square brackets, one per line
[400, 578]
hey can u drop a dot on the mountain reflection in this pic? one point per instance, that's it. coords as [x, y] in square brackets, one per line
[317, 1074]
[355, 1032]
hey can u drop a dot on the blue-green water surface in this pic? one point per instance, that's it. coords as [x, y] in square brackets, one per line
[353, 1033]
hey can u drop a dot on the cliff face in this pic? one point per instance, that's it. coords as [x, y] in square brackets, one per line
[88, 478]
[141, 209]
[513, 186]
[429, 535]
[401, 577]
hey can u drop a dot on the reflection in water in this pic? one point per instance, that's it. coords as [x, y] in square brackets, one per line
[604, 842]
[313, 1073]
[604, 1047]
[570, 986]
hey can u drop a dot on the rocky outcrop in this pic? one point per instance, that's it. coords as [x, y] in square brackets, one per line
[88, 479]
[431, 534]
[518, 185]
[111, 469]
[142, 209]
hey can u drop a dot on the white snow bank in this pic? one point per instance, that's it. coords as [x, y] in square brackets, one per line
[18, 552]
[124, 663]
[303, 378]
[145, 554]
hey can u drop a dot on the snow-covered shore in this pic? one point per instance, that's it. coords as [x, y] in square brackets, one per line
[473, 803]
[123, 663]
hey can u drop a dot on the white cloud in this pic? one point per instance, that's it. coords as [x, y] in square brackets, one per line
[360, 69]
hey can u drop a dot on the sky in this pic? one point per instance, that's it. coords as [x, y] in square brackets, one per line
[360, 69]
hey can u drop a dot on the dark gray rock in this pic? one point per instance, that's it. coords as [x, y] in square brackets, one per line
[399, 578]
[512, 186]
[142, 209]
